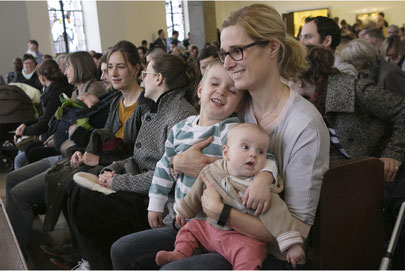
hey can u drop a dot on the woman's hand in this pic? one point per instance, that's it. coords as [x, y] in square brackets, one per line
[155, 219]
[257, 195]
[390, 168]
[105, 179]
[211, 201]
[90, 159]
[192, 161]
[20, 129]
[76, 159]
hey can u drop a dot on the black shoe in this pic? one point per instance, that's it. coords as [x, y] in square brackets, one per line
[58, 250]
[62, 264]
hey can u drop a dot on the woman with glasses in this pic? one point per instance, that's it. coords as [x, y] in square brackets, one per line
[257, 53]
[101, 219]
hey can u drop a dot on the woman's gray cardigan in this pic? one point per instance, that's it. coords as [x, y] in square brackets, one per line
[149, 147]
[369, 121]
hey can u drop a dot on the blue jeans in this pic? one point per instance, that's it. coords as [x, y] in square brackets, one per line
[20, 160]
[25, 188]
[138, 251]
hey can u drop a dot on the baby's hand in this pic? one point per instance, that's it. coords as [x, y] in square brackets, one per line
[257, 195]
[180, 220]
[295, 254]
[155, 219]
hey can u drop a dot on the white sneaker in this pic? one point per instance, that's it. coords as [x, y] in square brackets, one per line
[82, 265]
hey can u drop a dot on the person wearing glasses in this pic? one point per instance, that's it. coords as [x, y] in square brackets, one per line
[28, 75]
[257, 52]
[102, 219]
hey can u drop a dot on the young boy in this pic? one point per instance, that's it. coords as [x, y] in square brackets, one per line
[219, 100]
[244, 155]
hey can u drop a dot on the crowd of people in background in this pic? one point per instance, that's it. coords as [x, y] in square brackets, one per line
[105, 120]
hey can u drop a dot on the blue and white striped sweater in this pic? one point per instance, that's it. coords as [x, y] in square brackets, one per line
[181, 137]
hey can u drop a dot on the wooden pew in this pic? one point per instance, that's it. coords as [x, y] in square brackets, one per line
[11, 257]
[348, 229]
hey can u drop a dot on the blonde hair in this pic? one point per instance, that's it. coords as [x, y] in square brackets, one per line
[264, 23]
[360, 53]
[210, 64]
[249, 126]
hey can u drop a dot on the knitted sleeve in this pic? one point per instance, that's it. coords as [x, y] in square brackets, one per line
[162, 181]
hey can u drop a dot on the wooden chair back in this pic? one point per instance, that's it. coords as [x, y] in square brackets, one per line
[348, 229]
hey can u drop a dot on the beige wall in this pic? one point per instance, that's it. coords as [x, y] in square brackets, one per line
[39, 27]
[133, 21]
[20, 22]
[343, 9]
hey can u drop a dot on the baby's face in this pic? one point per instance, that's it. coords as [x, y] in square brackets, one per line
[245, 152]
[88, 99]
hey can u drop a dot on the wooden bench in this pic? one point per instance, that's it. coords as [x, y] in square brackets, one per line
[348, 229]
[11, 257]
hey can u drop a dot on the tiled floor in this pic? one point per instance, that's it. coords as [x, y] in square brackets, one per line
[37, 258]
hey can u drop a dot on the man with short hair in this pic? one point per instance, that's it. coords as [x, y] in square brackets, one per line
[375, 37]
[160, 41]
[323, 31]
[28, 75]
[206, 55]
[392, 30]
[172, 41]
[32, 49]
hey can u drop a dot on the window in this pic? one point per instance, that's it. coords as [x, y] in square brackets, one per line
[174, 18]
[66, 19]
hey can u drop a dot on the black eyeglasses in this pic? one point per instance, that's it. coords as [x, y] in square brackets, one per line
[236, 53]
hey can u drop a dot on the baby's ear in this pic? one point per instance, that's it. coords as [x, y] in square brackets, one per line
[225, 150]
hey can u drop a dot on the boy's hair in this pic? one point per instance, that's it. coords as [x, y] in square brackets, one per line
[249, 126]
[213, 62]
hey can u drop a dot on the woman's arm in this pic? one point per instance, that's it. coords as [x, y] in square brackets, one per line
[386, 105]
[192, 161]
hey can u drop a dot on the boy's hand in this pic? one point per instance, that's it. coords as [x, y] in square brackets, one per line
[295, 254]
[257, 195]
[155, 219]
[180, 220]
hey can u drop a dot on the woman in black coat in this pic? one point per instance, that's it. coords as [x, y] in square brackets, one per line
[54, 83]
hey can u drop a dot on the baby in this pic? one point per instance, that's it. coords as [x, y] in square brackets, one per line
[244, 155]
[88, 99]
[70, 115]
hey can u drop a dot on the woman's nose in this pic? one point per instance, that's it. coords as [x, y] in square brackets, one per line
[228, 62]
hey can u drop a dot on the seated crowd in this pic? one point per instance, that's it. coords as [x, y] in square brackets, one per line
[178, 158]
